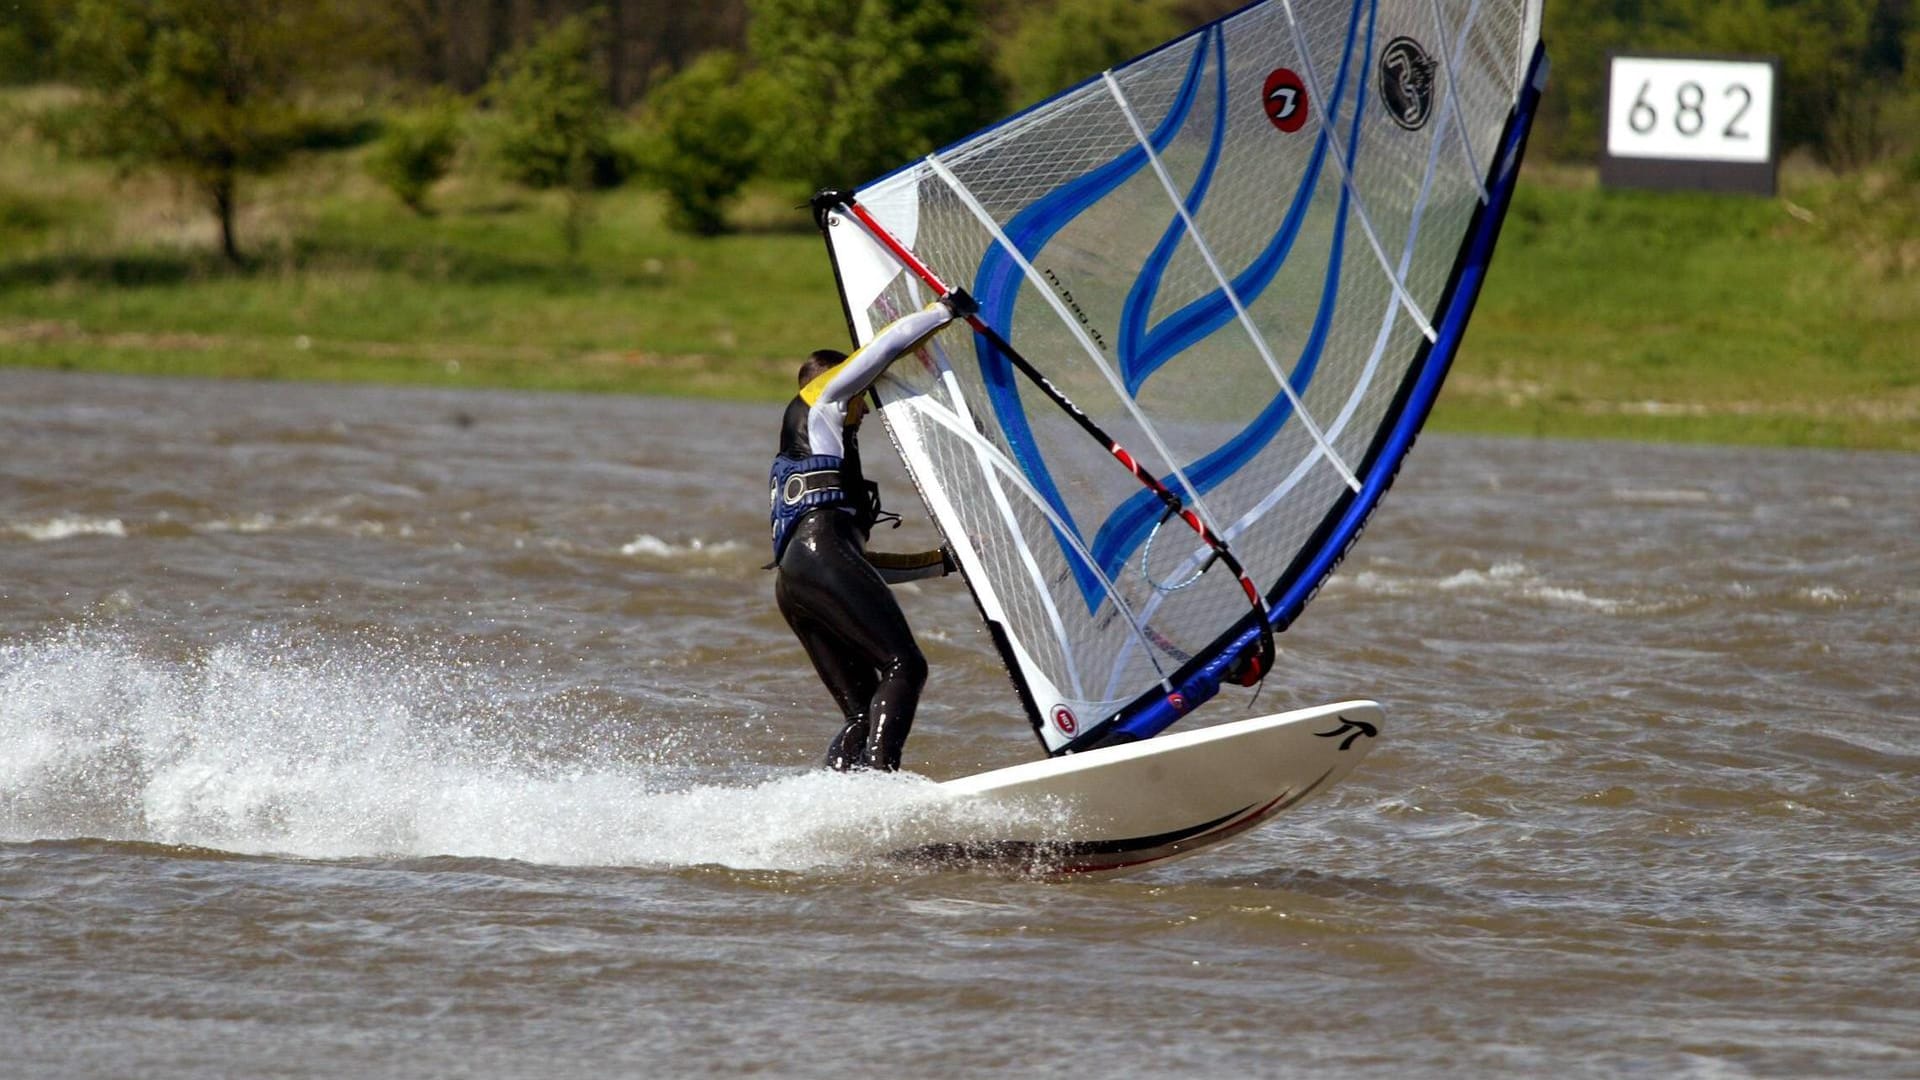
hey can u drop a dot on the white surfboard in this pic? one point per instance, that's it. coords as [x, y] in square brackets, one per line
[1144, 802]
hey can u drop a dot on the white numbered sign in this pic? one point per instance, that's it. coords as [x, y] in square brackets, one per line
[1690, 109]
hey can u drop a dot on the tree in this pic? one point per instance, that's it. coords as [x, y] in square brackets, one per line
[26, 39]
[204, 89]
[1054, 46]
[556, 126]
[861, 87]
[1840, 63]
[701, 142]
[416, 151]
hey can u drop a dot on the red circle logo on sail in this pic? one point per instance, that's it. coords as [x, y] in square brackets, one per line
[1064, 719]
[1285, 99]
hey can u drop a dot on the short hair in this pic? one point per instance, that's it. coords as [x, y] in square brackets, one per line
[820, 361]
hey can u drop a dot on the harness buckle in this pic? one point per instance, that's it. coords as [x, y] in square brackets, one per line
[800, 485]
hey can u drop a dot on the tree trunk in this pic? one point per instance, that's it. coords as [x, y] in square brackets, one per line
[617, 54]
[223, 188]
[427, 22]
[574, 229]
[499, 30]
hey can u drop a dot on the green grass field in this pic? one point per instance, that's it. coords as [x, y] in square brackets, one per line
[1792, 321]
[1789, 321]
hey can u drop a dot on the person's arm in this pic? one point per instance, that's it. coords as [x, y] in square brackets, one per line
[901, 336]
[827, 396]
[897, 568]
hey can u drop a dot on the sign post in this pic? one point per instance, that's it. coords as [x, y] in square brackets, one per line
[1702, 122]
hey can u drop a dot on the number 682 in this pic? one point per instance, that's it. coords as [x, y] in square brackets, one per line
[1689, 110]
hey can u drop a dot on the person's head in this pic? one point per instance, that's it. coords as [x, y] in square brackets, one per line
[817, 365]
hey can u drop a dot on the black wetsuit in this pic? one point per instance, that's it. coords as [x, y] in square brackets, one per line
[832, 592]
[855, 634]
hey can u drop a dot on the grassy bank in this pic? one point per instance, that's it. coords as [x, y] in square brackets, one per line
[343, 282]
[1791, 321]
[1676, 316]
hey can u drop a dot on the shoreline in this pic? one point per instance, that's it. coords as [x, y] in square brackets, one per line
[1470, 403]
[1664, 317]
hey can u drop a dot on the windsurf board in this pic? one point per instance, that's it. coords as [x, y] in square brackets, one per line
[1128, 806]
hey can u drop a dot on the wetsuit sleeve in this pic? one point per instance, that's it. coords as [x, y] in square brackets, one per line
[897, 568]
[828, 396]
[900, 336]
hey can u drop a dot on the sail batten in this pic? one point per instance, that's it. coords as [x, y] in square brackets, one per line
[1452, 65]
[989, 455]
[1251, 254]
[1011, 472]
[1341, 163]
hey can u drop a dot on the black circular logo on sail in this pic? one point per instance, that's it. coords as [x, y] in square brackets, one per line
[1406, 83]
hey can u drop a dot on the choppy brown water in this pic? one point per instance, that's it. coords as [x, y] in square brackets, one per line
[372, 732]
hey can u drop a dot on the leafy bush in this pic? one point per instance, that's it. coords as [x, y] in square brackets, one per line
[22, 214]
[555, 125]
[554, 118]
[338, 129]
[416, 152]
[700, 144]
[27, 38]
[1056, 45]
[204, 89]
[855, 89]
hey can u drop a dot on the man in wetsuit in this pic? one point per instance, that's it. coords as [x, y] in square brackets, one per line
[832, 591]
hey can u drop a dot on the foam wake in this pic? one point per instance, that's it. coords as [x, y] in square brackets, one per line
[379, 751]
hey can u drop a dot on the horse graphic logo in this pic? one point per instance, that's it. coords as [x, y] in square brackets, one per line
[1406, 83]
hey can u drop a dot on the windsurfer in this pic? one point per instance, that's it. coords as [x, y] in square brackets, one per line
[831, 590]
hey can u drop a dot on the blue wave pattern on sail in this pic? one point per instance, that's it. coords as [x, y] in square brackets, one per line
[1245, 309]
[1144, 350]
[1128, 526]
[997, 285]
[1150, 714]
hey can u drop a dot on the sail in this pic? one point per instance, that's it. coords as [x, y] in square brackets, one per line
[1245, 260]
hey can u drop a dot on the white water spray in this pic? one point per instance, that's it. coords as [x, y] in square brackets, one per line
[377, 751]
